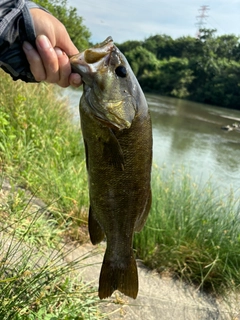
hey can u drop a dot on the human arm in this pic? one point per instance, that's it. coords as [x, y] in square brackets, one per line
[15, 19]
[23, 22]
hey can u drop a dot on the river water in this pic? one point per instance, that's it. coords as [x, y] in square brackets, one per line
[188, 134]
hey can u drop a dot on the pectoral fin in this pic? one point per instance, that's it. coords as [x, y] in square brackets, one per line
[112, 151]
[95, 230]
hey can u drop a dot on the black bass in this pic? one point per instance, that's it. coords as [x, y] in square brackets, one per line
[117, 134]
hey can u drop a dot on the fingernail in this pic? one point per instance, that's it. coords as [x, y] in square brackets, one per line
[43, 42]
[58, 51]
[27, 46]
[76, 81]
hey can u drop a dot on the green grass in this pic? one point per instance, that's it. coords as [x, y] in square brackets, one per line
[36, 282]
[41, 149]
[192, 233]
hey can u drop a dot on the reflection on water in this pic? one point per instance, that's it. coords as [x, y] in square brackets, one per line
[189, 134]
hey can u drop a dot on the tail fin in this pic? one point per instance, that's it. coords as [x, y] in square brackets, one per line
[118, 275]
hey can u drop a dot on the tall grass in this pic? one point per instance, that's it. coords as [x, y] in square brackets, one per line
[40, 151]
[36, 282]
[40, 147]
[192, 233]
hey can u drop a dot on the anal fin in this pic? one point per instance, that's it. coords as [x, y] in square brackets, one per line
[95, 230]
[140, 222]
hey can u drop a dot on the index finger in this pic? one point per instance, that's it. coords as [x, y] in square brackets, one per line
[35, 62]
[49, 58]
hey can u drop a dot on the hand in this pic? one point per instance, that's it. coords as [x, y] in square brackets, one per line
[50, 61]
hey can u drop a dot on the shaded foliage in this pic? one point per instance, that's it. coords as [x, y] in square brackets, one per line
[143, 61]
[205, 69]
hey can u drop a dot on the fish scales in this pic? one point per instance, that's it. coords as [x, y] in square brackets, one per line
[117, 133]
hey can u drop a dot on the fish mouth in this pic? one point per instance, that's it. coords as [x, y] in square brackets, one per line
[91, 59]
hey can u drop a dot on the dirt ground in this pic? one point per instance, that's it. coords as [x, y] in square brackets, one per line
[158, 298]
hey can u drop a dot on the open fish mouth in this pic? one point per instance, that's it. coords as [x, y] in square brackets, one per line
[91, 59]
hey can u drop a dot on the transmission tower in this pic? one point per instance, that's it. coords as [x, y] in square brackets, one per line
[201, 19]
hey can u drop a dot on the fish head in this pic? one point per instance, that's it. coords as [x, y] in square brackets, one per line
[110, 87]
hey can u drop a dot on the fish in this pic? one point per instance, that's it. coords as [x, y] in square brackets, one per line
[117, 133]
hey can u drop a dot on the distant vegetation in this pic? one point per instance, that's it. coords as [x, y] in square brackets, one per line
[206, 69]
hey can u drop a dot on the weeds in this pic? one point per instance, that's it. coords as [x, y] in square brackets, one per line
[40, 151]
[41, 148]
[192, 233]
[36, 282]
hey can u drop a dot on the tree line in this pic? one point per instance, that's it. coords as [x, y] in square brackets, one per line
[204, 69]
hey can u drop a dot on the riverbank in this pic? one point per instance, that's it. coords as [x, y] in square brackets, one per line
[189, 233]
[59, 279]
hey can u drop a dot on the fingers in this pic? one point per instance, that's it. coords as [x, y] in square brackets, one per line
[43, 61]
[75, 80]
[35, 62]
[50, 64]
[49, 59]
[64, 68]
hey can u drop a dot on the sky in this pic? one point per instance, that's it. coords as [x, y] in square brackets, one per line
[137, 20]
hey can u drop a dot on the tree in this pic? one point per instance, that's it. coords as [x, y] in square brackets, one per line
[128, 45]
[187, 47]
[142, 61]
[174, 77]
[79, 34]
[228, 46]
[160, 45]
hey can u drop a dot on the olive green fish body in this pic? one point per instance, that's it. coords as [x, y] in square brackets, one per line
[118, 150]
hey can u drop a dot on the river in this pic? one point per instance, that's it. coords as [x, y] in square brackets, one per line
[188, 134]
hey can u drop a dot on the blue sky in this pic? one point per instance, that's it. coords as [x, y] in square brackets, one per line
[137, 20]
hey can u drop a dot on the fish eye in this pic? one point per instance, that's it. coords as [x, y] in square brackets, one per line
[121, 71]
